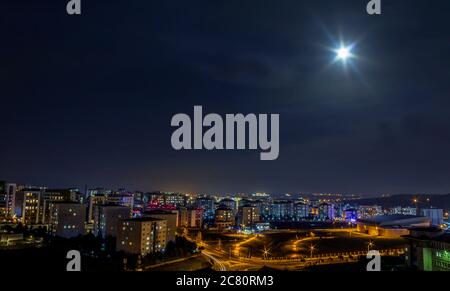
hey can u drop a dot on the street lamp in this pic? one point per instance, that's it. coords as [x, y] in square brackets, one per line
[311, 249]
[266, 252]
[369, 245]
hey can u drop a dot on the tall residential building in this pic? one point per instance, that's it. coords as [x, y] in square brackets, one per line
[224, 214]
[139, 201]
[142, 236]
[170, 216]
[436, 215]
[94, 201]
[258, 203]
[175, 199]
[225, 217]
[155, 198]
[228, 203]
[2, 192]
[261, 205]
[7, 198]
[190, 217]
[282, 210]
[301, 211]
[67, 219]
[107, 219]
[248, 215]
[51, 196]
[28, 205]
[208, 206]
[123, 199]
[158, 199]
[326, 211]
[10, 196]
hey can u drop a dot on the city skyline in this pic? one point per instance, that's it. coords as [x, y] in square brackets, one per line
[87, 188]
[136, 231]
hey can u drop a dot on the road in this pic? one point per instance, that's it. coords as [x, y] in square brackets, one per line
[223, 262]
[219, 264]
[169, 262]
[230, 260]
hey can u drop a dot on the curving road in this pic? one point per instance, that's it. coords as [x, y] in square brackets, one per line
[219, 265]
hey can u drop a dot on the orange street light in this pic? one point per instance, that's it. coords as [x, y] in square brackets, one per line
[311, 249]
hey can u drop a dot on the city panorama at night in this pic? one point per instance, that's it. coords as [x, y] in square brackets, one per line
[238, 143]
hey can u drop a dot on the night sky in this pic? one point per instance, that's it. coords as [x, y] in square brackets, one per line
[88, 99]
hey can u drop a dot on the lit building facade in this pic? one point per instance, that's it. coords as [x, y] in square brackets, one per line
[208, 206]
[190, 217]
[301, 211]
[326, 211]
[107, 219]
[175, 199]
[228, 203]
[49, 197]
[142, 236]
[171, 217]
[67, 219]
[124, 199]
[10, 197]
[166, 199]
[350, 215]
[94, 201]
[403, 210]
[282, 210]
[428, 249]
[28, 205]
[248, 215]
[225, 217]
[369, 211]
[224, 214]
[436, 215]
[98, 191]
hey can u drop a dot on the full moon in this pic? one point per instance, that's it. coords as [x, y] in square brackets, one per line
[343, 53]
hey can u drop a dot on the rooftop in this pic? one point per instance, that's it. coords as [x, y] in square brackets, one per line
[143, 219]
[386, 218]
[67, 203]
[223, 207]
[429, 233]
[397, 219]
[227, 200]
[159, 211]
[111, 205]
